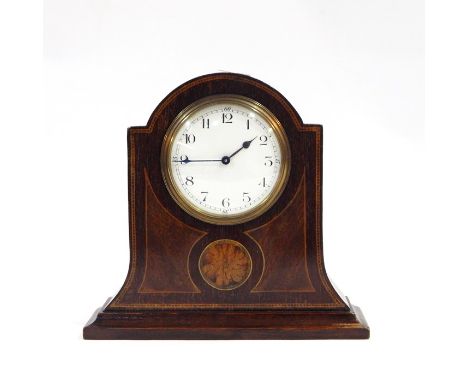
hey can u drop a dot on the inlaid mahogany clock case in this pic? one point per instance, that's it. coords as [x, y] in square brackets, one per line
[287, 293]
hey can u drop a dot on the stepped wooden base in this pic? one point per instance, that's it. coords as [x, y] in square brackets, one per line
[230, 325]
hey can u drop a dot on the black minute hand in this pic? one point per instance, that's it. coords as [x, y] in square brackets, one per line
[187, 160]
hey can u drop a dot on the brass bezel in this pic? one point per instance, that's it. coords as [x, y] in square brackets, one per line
[185, 203]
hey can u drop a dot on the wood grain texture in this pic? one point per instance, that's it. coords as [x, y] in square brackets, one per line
[225, 264]
[288, 281]
[227, 325]
[286, 265]
[166, 269]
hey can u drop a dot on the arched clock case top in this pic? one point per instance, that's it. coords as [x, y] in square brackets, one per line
[262, 278]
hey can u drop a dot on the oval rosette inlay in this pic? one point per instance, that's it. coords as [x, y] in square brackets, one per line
[225, 264]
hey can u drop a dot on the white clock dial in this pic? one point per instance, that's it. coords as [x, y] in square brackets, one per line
[226, 159]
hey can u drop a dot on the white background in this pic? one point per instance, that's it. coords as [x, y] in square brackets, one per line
[75, 74]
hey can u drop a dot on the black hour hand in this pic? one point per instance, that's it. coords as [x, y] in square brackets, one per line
[245, 145]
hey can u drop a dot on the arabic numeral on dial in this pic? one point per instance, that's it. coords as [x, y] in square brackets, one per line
[263, 140]
[189, 181]
[268, 162]
[226, 202]
[205, 123]
[189, 138]
[263, 182]
[248, 124]
[204, 194]
[227, 118]
[246, 197]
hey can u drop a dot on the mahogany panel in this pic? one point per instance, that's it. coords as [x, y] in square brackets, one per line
[286, 267]
[168, 244]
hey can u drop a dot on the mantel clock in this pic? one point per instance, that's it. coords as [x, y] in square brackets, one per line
[225, 213]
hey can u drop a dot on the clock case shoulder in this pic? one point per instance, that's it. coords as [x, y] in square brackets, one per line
[292, 302]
